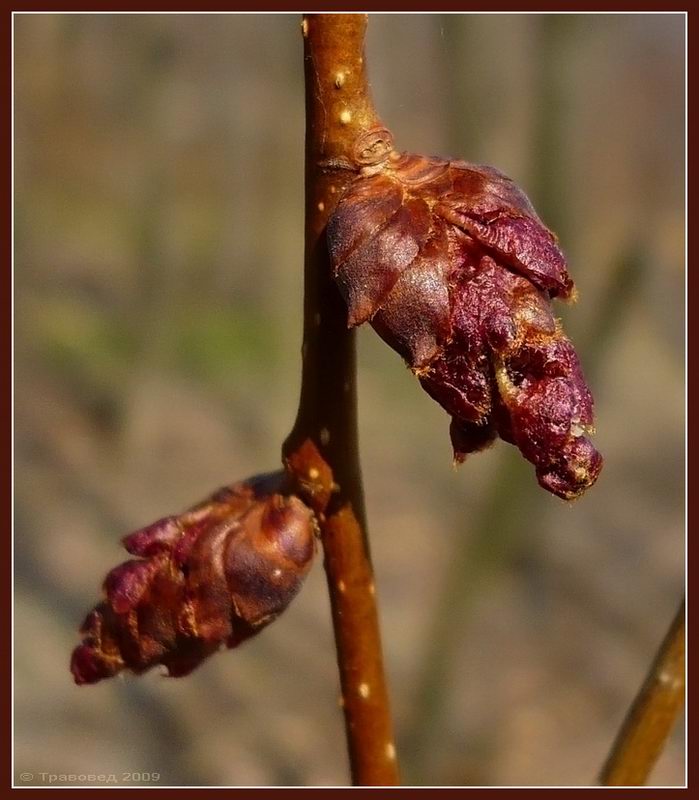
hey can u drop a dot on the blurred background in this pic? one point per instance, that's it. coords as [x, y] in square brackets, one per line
[158, 277]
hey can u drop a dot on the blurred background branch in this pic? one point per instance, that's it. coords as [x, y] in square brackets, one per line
[652, 715]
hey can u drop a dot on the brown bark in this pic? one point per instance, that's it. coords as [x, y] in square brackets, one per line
[338, 110]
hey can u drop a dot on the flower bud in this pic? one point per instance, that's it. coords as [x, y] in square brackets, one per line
[452, 267]
[213, 576]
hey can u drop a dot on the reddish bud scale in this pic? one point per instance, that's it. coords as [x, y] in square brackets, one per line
[452, 267]
[213, 576]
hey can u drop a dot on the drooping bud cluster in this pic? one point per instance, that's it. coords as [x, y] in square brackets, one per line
[452, 267]
[213, 576]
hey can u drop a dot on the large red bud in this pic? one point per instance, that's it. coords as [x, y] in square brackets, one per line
[450, 264]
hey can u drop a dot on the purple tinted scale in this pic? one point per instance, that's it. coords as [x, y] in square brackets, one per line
[369, 274]
[468, 438]
[182, 549]
[368, 205]
[415, 319]
[153, 539]
[126, 584]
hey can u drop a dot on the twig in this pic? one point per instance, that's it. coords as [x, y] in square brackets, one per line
[652, 715]
[338, 109]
